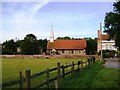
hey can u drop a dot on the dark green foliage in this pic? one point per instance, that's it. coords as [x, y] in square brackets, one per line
[112, 24]
[18, 43]
[107, 53]
[30, 45]
[68, 38]
[9, 47]
[43, 44]
[118, 54]
[91, 46]
[64, 38]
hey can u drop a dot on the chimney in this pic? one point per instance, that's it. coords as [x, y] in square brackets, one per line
[99, 34]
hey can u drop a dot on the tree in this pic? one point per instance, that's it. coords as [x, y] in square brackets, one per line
[30, 45]
[64, 38]
[18, 43]
[67, 38]
[112, 24]
[9, 47]
[59, 38]
[91, 46]
[43, 44]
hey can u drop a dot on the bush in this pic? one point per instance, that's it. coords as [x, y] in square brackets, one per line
[107, 53]
[7, 51]
[118, 54]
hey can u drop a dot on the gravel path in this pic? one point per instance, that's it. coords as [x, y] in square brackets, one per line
[112, 63]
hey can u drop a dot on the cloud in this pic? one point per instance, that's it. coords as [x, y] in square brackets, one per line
[68, 19]
[26, 10]
[18, 18]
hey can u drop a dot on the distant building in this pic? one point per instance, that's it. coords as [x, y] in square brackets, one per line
[106, 43]
[66, 47]
[18, 50]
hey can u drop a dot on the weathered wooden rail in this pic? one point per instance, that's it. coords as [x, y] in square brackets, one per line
[61, 73]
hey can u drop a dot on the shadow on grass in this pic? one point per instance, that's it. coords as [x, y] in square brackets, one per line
[95, 76]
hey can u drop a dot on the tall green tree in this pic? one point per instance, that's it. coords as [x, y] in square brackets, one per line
[30, 45]
[112, 24]
[18, 43]
[9, 47]
[42, 45]
[91, 46]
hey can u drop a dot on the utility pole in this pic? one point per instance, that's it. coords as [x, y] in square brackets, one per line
[101, 40]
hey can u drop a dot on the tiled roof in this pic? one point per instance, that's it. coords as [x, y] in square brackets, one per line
[106, 37]
[67, 44]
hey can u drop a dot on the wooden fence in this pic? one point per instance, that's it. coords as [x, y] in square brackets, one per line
[61, 73]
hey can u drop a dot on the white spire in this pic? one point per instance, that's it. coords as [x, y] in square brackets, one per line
[52, 35]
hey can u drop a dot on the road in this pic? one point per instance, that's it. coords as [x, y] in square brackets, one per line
[112, 63]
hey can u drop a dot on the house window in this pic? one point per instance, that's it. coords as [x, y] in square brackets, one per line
[72, 52]
[110, 47]
[106, 46]
[62, 51]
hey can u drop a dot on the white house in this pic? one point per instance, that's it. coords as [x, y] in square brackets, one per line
[106, 43]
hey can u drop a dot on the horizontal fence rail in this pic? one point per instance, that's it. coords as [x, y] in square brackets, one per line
[61, 70]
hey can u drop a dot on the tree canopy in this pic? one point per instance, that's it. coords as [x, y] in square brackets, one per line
[64, 38]
[112, 24]
[43, 44]
[30, 45]
[91, 46]
[9, 47]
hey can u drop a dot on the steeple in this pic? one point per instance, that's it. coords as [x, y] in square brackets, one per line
[52, 35]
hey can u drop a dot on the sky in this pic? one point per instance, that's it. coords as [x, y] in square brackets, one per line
[74, 19]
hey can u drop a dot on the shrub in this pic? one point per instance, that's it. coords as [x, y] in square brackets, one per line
[107, 53]
[118, 54]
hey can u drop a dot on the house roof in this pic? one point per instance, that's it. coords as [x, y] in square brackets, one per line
[106, 37]
[67, 44]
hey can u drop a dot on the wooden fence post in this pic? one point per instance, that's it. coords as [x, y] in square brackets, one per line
[91, 60]
[66, 68]
[27, 79]
[21, 81]
[72, 67]
[63, 71]
[78, 65]
[88, 61]
[48, 76]
[58, 76]
[81, 65]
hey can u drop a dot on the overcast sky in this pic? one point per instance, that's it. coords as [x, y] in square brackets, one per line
[74, 19]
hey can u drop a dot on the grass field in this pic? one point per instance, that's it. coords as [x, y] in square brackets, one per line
[96, 76]
[12, 66]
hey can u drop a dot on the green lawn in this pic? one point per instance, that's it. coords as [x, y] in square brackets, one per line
[96, 76]
[12, 66]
